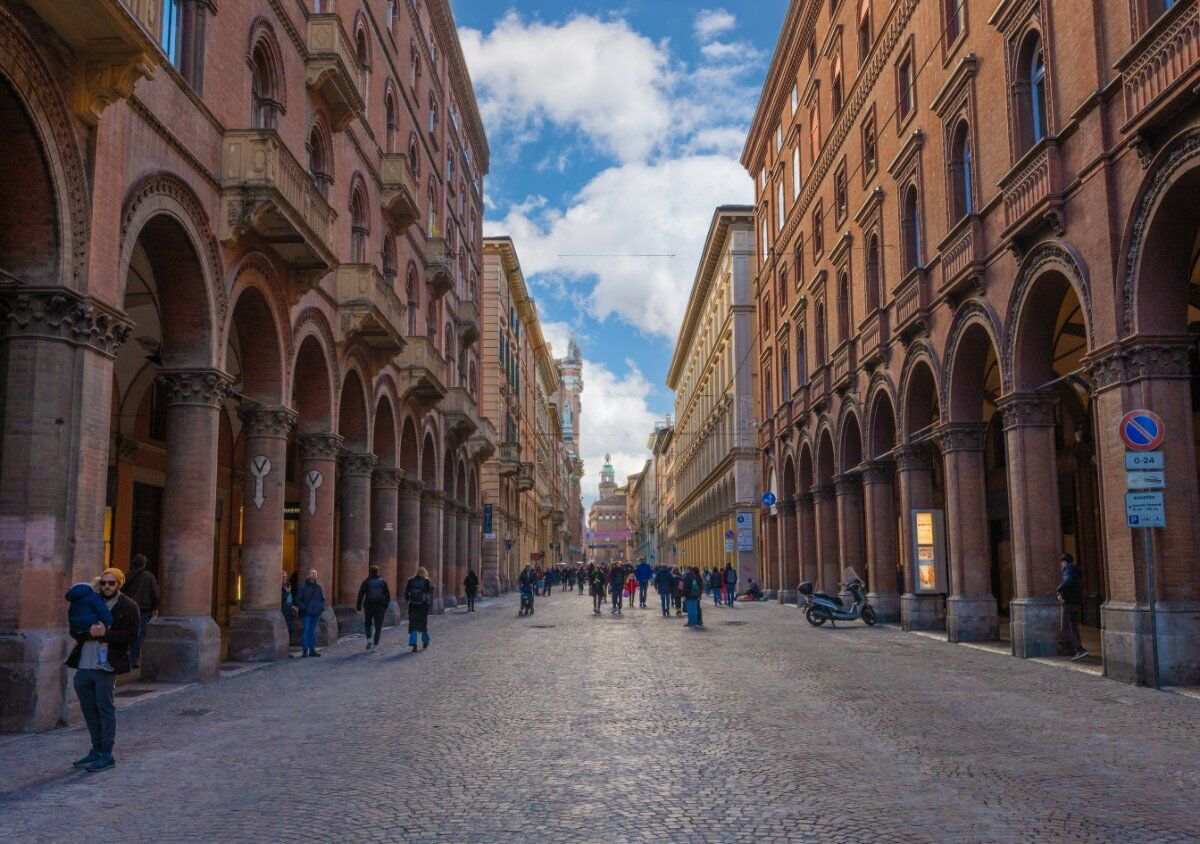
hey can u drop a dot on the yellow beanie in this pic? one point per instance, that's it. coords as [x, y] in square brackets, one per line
[117, 573]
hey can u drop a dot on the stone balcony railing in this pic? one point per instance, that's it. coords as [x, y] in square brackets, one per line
[482, 444]
[423, 372]
[460, 411]
[1033, 191]
[332, 71]
[841, 366]
[873, 338]
[912, 303]
[368, 307]
[264, 188]
[439, 263]
[468, 321]
[510, 458]
[114, 41]
[399, 194]
[1159, 67]
[525, 478]
[962, 261]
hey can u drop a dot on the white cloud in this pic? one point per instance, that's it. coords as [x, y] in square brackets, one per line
[557, 335]
[616, 418]
[712, 22]
[659, 208]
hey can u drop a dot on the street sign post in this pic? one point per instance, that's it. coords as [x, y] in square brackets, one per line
[1145, 509]
[1142, 430]
[1145, 479]
[769, 499]
[1144, 460]
[1143, 433]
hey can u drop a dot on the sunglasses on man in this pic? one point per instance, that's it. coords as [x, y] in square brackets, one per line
[108, 583]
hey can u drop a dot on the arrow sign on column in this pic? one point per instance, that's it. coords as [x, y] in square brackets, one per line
[260, 467]
[313, 481]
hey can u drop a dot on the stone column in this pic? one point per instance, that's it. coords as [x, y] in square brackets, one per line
[408, 549]
[183, 645]
[1153, 374]
[882, 541]
[355, 470]
[828, 562]
[319, 481]
[464, 562]
[971, 608]
[914, 474]
[789, 562]
[257, 631]
[385, 486]
[848, 489]
[806, 538]
[1036, 530]
[449, 553]
[770, 542]
[431, 543]
[475, 543]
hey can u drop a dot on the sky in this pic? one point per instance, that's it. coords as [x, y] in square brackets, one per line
[615, 131]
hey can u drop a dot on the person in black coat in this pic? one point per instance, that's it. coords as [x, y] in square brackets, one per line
[419, 595]
[373, 600]
[471, 587]
[95, 686]
[142, 587]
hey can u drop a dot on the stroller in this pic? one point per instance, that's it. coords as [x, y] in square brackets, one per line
[526, 600]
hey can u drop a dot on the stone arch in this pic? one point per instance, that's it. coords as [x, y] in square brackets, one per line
[312, 386]
[254, 337]
[383, 431]
[1056, 261]
[261, 36]
[460, 480]
[352, 422]
[850, 447]
[881, 419]
[448, 476]
[429, 468]
[30, 97]
[787, 482]
[410, 450]
[256, 273]
[918, 390]
[827, 465]
[473, 488]
[964, 359]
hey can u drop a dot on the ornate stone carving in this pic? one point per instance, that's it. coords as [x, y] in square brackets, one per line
[105, 81]
[60, 314]
[259, 420]
[411, 488]
[824, 492]
[879, 472]
[849, 484]
[432, 498]
[960, 438]
[125, 448]
[1028, 410]
[914, 459]
[1032, 267]
[319, 446]
[387, 478]
[206, 387]
[1107, 369]
[786, 507]
[357, 463]
[1158, 361]
[803, 500]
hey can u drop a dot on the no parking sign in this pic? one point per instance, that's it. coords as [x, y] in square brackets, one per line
[1142, 430]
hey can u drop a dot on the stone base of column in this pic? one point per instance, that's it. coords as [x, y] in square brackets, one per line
[972, 618]
[788, 596]
[347, 621]
[449, 603]
[32, 691]
[437, 606]
[1035, 627]
[1128, 651]
[328, 628]
[922, 612]
[392, 617]
[772, 594]
[182, 649]
[886, 606]
[258, 636]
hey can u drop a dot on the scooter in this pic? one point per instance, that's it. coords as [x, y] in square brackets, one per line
[820, 608]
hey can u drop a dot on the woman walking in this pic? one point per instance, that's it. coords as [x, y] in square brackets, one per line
[310, 603]
[471, 587]
[418, 593]
[596, 582]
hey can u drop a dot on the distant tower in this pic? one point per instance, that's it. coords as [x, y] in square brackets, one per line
[570, 370]
[608, 478]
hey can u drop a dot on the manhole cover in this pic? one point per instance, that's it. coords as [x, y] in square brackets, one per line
[192, 713]
[541, 626]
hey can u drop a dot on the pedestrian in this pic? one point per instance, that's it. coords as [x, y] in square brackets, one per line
[88, 608]
[596, 585]
[95, 686]
[662, 582]
[731, 579]
[1070, 595]
[419, 594]
[616, 583]
[142, 587]
[529, 577]
[644, 573]
[715, 579]
[373, 599]
[286, 605]
[310, 603]
[693, 586]
[631, 588]
[583, 577]
[677, 590]
[471, 587]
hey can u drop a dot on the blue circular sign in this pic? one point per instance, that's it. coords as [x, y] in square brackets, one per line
[1142, 430]
[768, 499]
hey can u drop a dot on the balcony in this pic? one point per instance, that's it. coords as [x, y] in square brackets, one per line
[962, 261]
[912, 304]
[510, 458]
[482, 444]
[113, 42]
[525, 478]
[468, 322]
[423, 372]
[333, 72]
[557, 517]
[368, 307]
[841, 366]
[873, 339]
[1033, 192]
[819, 389]
[439, 265]
[264, 189]
[766, 432]
[399, 194]
[1160, 69]
[460, 412]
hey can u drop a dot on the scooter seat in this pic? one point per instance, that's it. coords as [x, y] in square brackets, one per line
[831, 598]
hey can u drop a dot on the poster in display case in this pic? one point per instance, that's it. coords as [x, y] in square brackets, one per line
[929, 551]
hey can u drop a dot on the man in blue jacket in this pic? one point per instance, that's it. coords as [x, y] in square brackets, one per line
[643, 573]
[664, 582]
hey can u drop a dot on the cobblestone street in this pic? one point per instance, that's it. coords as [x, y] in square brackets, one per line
[568, 726]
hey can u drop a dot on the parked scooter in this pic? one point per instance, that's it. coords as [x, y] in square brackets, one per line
[820, 607]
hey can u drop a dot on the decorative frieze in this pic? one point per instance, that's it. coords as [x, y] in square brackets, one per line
[387, 478]
[849, 484]
[914, 459]
[62, 315]
[204, 387]
[824, 492]
[356, 463]
[319, 446]
[266, 421]
[1028, 410]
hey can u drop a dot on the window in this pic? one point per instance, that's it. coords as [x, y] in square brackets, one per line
[414, 156]
[814, 130]
[768, 398]
[264, 105]
[781, 290]
[840, 194]
[1030, 93]
[361, 51]
[910, 229]
[778, 137]
[955, 20]
[866, 35]
[319, 163]
[785, 378]
[796, 172]
[795, 98]
[433, 115]
[393, 129]
[869, 152]
[874, 293]
[812, 54]
[799, 263]
[766, 246]
[390, 14]
[906, 96]
[801, 360]
[843, 294]
[171, 29]
[414, 66]
[182, 38]
[962, 202]
[389, 258]
[819, 330]
[358, 227]
[779, 215]
[818, 234]
[413, 291]
[836, 86]
[433, 206]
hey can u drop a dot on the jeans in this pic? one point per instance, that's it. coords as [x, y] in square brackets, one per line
[730, 588]
[716, 593]
[692, 605]
[616, 599]
[665, 597]
[371, 615]
[581, 587]
[642, 584]
[470, 601]
[135, 653]
[412, 638]
[95, 690]
[597, 600]
[1069, 620]
[308, 633]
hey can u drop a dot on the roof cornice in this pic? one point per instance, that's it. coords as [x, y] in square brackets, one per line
[442, 17]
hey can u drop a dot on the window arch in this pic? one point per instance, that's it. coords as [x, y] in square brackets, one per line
[414, 155]
[433, 208]
[866, 33]
[388, 254]
[362, 49]
[412, 289]
[393, 125]
[448, 342]
[962, 201]
[1031, 92]
[414, 65]
[264, 87]
[320, 159]
[910, 229]
[358, 224]
[819, 329]
[843, 302]
[431, 320]
[874, 291]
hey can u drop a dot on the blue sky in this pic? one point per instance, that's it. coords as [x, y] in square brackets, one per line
[615, 129]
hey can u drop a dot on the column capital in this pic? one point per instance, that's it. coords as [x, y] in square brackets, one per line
[1159, 358]
[386, 478]
[1028, 410]
[786, 507]
[433, 497]
[410, 488]
[319, 446]
[824, 492]
[199, 387]
[911, 458]
[960, 437]
[803, 500]
[260, 420]
[847, 484]
[357, 463]
[879, 472]
[62, 315]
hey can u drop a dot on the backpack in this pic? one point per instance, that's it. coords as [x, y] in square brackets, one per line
[730, 576]
[375, 590]
[417, 592]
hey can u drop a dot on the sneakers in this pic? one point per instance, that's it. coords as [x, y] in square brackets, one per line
[414, 648]
[102, 762]
[87, 760]
[1079, 656]
[314, 653]
[368, 645]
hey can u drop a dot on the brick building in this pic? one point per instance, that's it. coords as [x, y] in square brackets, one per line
[608, 521]
[662, 450]
[977, 232]
[239, 249]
